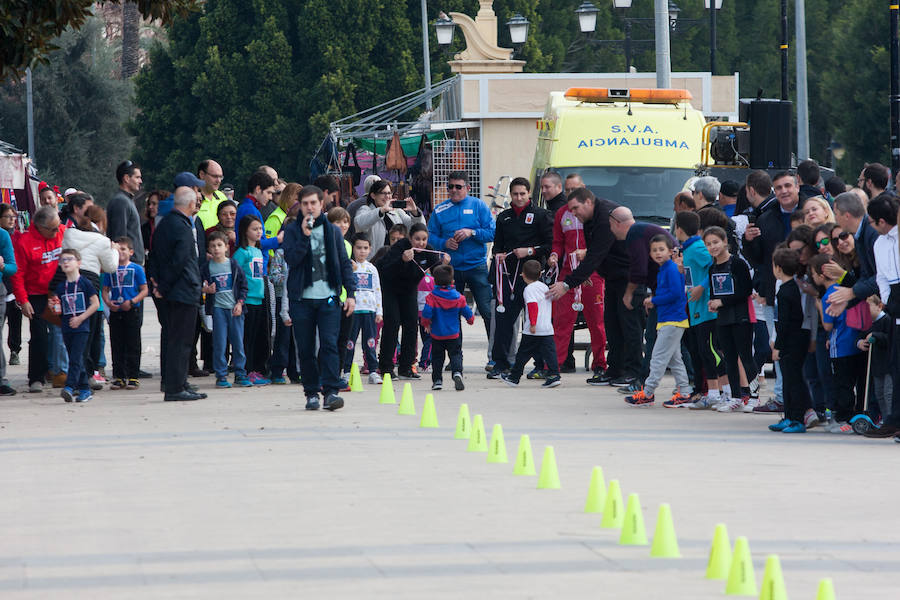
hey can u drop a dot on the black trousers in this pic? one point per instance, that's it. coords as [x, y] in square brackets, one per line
[14, 318]
[256, 337]
[794, 389]
[40, 338]
[737, 343]
[542, 349]
[624, 329]
[179, 323]
[848, 379]
[453, 349]
[400, 310]
[343, 336]
[125, 342]
[505, 322]
[205, 339]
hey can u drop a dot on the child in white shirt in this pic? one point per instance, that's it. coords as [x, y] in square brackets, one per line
[368, 312]
[537, 336]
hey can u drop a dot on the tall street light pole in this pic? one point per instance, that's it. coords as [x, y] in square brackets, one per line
[426, 55]
[895, 88]
[713, 6]
[784, 50]
[29, 114]
[663, 58]
[802, 95]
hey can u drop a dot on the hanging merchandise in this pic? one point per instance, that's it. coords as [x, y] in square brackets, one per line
[12, 171]
[395, 160]
[353, 169]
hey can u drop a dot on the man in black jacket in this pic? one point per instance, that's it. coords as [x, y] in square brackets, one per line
[523, 232]
[175, 270]
[609, 258]
[551, 192]
[319, 267]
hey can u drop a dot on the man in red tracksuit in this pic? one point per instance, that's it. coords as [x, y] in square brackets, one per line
[569, 247]
[37, 255]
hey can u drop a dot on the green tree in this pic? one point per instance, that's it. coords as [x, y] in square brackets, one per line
[79, 112]
[29, 27]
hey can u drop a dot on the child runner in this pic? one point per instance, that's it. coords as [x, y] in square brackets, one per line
[847, 362]
[78, 301]
[225, 286]
[426, 286]
[123, 292]
[368, 312]
[730, 287]
[791, 343]
[537, 336]
[671, 322]
[256, 316]
[440, 317]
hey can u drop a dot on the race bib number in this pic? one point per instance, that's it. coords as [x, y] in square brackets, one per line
[223, 282]
[256, 268]
[723, 284]
[73, 304]
[363, 281]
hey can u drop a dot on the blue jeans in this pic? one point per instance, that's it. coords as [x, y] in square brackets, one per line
[817, 372]
[57, 357]
[228, 330]
[365, 323]
[477, 280]
[76, 377]
[320, 371]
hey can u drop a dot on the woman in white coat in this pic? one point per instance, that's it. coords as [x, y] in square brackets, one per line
[376, 217]
[98, 255]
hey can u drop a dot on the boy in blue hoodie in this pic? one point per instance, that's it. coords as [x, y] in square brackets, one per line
[671, 322]
[440, 317]
[702, 340]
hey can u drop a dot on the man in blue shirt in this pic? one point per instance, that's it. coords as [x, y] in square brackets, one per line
[462, 226]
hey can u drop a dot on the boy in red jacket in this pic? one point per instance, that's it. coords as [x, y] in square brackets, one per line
[37, 255]
[440, 317]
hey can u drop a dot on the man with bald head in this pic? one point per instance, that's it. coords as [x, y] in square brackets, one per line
[642, 273]
[212, 175]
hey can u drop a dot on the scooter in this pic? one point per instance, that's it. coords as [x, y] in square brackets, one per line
[862, 422]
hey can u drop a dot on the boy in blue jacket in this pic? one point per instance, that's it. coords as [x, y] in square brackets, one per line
[440, 317]
[671, 322]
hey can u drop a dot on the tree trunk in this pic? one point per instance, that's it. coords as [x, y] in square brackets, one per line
[131, 23]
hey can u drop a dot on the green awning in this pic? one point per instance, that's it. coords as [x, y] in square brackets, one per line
[410, 144]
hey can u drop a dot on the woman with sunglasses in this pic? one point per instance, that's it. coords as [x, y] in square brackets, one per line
[380, 212]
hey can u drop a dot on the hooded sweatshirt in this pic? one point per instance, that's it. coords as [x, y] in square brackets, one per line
[443, 308]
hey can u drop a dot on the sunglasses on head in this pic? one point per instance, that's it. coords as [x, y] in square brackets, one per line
[455, 186]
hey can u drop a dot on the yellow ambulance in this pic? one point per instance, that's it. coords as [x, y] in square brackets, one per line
[635, 147]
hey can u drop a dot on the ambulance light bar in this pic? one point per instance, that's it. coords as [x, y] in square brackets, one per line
[648, 96]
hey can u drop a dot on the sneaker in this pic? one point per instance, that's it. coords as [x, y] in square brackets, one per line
[35, 386]
[810, 419]
[795, 427]
[458, 382]
[242, 382]
[13, 358]
[423, 369]
[496, 374]
[280, 380]
[67, 394]
[96, 384]
[437, 386]
[408, 375]
[345, 386]
[84, 396]
[769, 407]
[754, 389]
[622, 381]
[843, 427]
[751, 404]
[678, 401]
[639, 398]
[100, 376]
[601, 377]
[132, 384]
[222, 382]
[509, 380]
[489, 366]
[631, 388]
[567, 368]
[333, 402]
[732, 405]
[6, 390]
[117, 384]
[780, 425]
[704, 403]
[552, 381]
[257, 379]
[374, 378]
[312, 402]
[535, 374]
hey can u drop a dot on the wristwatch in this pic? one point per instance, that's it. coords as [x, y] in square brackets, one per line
[566, 285]
[530, 251]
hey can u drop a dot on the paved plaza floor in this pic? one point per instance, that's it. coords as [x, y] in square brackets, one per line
[246, 495]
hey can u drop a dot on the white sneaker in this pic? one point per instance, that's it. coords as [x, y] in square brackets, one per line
[751, 404]
[754, 388]
[374, 378]
[704, 403]
[35, 386]
[732, 405]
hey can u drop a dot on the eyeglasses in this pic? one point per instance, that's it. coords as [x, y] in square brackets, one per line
[456, 186]
[66, 259]
[385, 192]
[823, 242]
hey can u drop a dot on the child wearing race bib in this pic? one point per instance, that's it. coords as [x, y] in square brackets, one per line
[78, 301]
[123, 292]
[256, 316]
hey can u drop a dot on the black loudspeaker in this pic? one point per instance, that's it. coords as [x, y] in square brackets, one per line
[771, 134]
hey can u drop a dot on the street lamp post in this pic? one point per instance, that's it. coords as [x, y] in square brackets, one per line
[895, 89]
[712, 6]
[426, 56]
